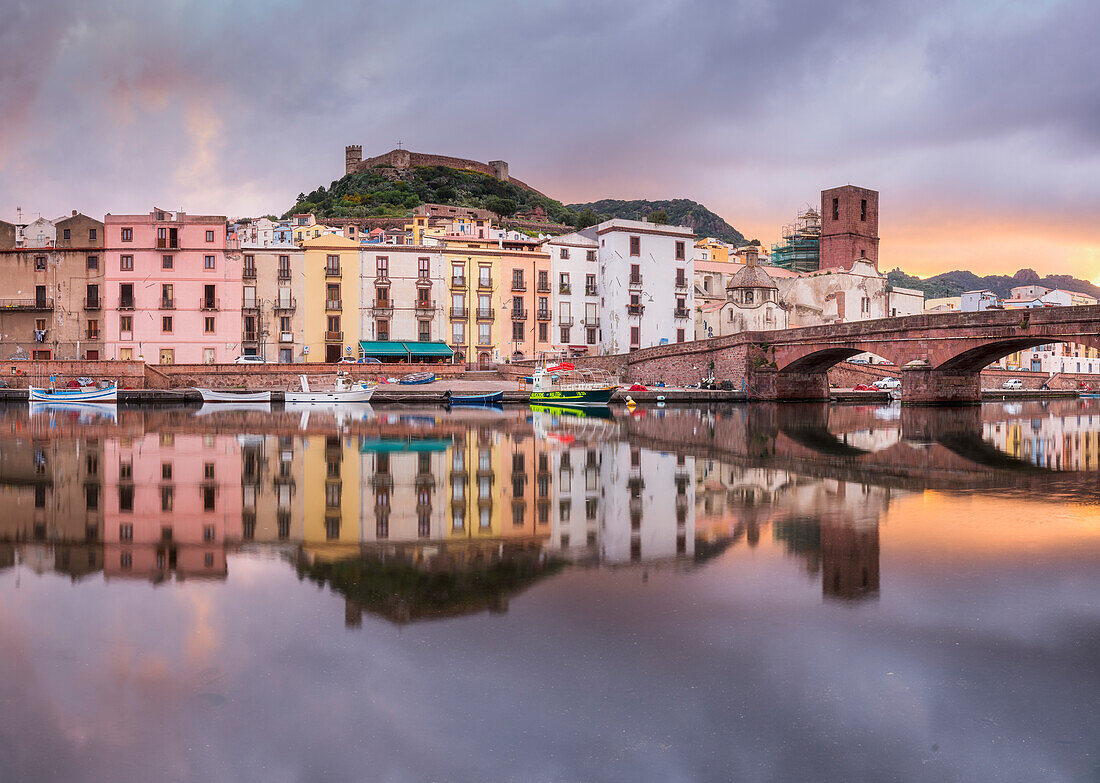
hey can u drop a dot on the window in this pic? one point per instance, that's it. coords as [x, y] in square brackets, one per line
[126, 532]
[166, 323]
[517, 330]
[517, 280]
[167, 498]
[93, 263]
[863, 209]
[423, 268]
[485, 278]
[381, 266]
[679, 251]
[590, 255]
[40, 263]
[126, 263]
[635, 335]
[484, 334]
[92, 235]
[565, 334]
[563, 283]
[284, 267]
[382, 330]
[591, 336]
[127, 235]
[93, 330]
[208, 470]
[334, 323]
[208, 324]
[635, 274]
[544, 331]
[209, 495]
[458, 332]
[208, 262]
[564, 253]
[67, 234]
[635, 246]
[126, 323]
[544, 280]
[425, 331]
[679, 335]
[681, 277]
[209, 236]
[836, 209]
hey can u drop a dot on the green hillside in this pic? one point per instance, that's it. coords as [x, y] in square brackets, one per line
[679, 212]
[956, 282]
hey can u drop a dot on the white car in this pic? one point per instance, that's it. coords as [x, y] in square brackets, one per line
[887, 383]
[251, 359]
[1013, 383]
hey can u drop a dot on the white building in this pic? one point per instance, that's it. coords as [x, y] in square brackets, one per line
[573, 295]
[842, 296]
[645, 280]
[751, 304]
[403, 293]
[976, 301]
[1028, 291]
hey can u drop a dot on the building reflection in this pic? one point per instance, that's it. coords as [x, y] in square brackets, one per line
[418, 515]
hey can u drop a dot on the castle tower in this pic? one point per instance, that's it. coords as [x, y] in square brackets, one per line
[353, 156]
[500, 169]
[849, 226]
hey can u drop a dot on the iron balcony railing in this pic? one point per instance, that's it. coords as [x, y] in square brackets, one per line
[208, 304]
[334, 337]
[285, 304]
[460, 313]
[485, 313]
[26, 304]
[519, 315]
[635, 309]
[565, 288]
[334, 304]
[425, 304]
[543, 315]
[635, 280]
[591, 290]
[458, 282]
[167, 303]
[93, 303]
[519, 285]
[681, 312]
[543, 287]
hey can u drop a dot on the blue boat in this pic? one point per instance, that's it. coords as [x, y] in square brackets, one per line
[107, 394]
[416, 378]
[473, 399]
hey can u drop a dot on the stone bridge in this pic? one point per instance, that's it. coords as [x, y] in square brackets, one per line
[939, 356]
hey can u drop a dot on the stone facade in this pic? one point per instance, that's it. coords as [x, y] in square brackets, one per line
[403, 160]
[849, 226]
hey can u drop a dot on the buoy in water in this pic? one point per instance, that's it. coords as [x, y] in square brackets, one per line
[630, 402]
[660, 398]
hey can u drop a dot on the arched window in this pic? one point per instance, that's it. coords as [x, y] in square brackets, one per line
[748, 296]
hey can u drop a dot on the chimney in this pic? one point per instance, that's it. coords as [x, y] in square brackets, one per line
[750, 257]
[74, 213]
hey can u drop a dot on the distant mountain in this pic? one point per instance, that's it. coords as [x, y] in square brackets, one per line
[680, 212]
[959, 281]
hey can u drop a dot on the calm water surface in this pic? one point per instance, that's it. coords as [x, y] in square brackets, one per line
[764, 593]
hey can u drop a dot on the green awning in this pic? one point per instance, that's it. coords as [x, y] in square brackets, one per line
[430, 349]
[386, 445]
[378, 348]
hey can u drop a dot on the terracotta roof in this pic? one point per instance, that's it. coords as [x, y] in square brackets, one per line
[751, 277]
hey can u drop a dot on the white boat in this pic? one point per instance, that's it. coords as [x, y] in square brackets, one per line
[218, 395]
[345, 390]
[233, 407]
[85, 412]
[109, 393]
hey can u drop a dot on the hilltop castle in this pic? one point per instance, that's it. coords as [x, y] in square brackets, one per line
[403, 160]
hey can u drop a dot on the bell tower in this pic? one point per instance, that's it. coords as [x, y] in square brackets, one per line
[353, 156]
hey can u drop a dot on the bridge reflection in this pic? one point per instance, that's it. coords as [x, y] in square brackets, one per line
[415, 514]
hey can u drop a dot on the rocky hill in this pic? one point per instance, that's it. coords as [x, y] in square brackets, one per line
[956, 282]
[679, 212]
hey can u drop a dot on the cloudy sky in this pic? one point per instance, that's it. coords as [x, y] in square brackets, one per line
[978, 122]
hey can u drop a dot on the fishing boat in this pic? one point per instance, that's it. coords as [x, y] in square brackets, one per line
[345, 390]
[473, 399]
[225, 408]
[587, 412]
[415, 378]
[564, 384]
[108, 392]
[226, 395]
[84, 412]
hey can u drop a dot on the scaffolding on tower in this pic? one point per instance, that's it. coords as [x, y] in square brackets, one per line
[801, 247]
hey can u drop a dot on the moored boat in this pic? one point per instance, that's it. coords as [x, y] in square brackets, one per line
[564, 384]
[415, 378]
[227, 395]
[345, 390]
[107, 393]
[495, 398]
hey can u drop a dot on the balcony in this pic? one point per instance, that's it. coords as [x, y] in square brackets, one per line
[334, 304]
[27, 304]
[334, 337]
[519, 315]
[635, 281]
[332, 271]
[592, 323]
[485, 313]
[93, 304]
[209, 304]
[284, 275]
[485, 283]
[249, 337]
[565, 320]
[681, 284]
[543, 287]
[591, 290]
[635, 309]
[248, 273]
[167, 244]
[681, 312]
[91, 335]
[519, 285]
[286, 337]
[289, 305]
[124, 304]
[250, 304]
[565, 288]
[460, 313]
[458, 282]
[41, 335]
[167, 303]
[543, 315]
[382, 308]
[425, 304]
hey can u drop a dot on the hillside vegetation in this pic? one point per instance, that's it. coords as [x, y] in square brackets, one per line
[679, 211]
[957, 282]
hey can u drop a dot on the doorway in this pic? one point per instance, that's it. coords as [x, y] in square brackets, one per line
[332, 353]
[167, 356]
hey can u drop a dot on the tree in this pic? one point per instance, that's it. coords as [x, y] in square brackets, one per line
[585, 218]
[754, 243]
[504, 207]
[657, 216]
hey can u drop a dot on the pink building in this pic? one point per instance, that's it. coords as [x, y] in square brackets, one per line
[173, 292]
[172, 502]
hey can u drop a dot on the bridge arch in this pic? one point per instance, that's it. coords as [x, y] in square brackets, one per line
[823, 359]
[977, 358]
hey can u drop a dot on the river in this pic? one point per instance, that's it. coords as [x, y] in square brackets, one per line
[752, 593]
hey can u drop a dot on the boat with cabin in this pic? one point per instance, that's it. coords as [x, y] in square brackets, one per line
[564, 384]
[344, 390]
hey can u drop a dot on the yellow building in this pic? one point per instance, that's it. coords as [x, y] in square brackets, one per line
[331, 496]
[330, 300]
[711, 249]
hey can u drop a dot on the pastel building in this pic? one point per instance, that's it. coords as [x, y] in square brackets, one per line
[572, 321]
[173, 292]
[330, 298]
[271, 324]
[403, 303]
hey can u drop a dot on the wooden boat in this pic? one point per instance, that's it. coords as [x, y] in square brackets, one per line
[108, 393]
[233, 407]
[415, 378]
[225, 395]
[473, 399]
[84, 412]
[345, 390]
[564, 384]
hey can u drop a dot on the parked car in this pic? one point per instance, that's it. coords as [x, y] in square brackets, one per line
[250, 359]
[887, 383]
[858, 361]
[360, 360]
[1013, 383]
